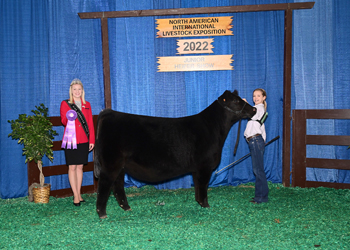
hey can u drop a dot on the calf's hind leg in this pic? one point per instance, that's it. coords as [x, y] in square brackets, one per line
[104, 189]
[119, 192]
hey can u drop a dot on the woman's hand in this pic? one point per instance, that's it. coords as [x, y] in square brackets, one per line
[244, 99]
[91, 146]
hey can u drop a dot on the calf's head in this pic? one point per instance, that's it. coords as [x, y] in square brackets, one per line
[233, 103]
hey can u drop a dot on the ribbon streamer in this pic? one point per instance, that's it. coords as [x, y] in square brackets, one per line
[69, 137]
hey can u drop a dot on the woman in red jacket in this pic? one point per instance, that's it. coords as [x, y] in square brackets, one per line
[79, 135]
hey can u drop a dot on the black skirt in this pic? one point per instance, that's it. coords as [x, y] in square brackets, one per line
[77, 156]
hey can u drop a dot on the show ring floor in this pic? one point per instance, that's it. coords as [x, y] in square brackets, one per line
[294, 218]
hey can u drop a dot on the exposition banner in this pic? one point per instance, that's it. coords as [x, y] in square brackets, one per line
[199, 26]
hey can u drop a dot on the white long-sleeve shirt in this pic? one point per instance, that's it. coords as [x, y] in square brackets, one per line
[253, 126]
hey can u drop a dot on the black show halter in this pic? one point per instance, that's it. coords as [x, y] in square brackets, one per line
[231, 110]
[239, 124]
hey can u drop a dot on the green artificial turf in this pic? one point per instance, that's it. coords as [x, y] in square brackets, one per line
[294, 218]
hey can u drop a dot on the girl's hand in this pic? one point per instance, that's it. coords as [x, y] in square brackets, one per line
[244, 99]
[91, 146]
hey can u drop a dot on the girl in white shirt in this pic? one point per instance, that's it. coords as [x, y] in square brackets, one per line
[255, 135]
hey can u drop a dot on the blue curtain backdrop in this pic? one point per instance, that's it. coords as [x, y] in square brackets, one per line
[44, 45]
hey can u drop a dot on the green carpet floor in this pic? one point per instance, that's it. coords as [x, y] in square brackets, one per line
[294, 218]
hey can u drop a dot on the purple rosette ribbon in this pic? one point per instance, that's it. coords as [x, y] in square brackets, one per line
[69, 137]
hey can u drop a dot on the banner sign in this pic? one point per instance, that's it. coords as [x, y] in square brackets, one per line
[199, 26]
[195, 46]
[194, 63]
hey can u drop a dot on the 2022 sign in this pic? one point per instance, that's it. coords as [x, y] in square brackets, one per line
[195, 46]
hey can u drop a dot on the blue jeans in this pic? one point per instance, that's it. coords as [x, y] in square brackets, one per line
[257, 149]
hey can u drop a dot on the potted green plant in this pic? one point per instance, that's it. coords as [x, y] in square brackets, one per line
[36, 134]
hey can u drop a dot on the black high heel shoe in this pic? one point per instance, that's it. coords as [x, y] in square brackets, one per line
[83, 200]
[76, 204]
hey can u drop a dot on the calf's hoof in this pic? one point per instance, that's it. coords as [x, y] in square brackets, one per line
[204, 204]
[125, 207]
[101, 215]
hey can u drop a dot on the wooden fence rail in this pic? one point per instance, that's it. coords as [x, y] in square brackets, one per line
[33, 171]
[300, 139]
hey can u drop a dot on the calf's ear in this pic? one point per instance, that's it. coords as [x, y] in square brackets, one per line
[235, 92]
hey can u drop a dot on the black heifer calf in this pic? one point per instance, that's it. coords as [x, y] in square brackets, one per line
[155, 149]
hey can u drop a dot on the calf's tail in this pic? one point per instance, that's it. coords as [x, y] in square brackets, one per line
[97, 165]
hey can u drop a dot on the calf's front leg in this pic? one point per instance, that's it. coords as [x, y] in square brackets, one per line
[201, 182]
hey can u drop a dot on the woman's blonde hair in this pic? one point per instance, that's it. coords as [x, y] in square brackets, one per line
[264, 94]
[74, 82]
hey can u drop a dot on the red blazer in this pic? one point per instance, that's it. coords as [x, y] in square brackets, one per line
[79, 130]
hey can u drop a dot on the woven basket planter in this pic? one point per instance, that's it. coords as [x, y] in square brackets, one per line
[42, 194]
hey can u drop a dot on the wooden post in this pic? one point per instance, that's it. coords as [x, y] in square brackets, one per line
[287, 93]
[106, 67]
[299, 148]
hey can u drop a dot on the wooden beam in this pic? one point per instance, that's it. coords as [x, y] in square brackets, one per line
[328, 114]
[106, 67]
[201, 10]
[63, 169]
[316, 184]
[340, 140]
[61, 193]
[327, 163]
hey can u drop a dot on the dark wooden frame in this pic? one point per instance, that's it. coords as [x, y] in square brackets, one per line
[33, 171]
[287, 72]
[300, 139]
